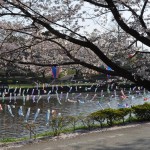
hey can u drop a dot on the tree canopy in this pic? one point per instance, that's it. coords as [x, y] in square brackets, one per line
[85, 33]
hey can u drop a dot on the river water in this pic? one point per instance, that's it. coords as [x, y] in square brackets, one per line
[11, 125]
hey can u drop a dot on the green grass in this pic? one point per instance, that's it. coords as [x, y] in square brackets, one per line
[10, 140]
[21, 85]
[41, 85]
[47, 133]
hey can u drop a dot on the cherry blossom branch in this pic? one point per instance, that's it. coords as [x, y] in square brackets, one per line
[96, 3]
[139, 17]
[143, 8]
[40, 16]
[124, 26]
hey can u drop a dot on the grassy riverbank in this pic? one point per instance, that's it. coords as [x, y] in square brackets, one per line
[46, 135]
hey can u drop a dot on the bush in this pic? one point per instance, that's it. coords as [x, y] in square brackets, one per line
[87, 121]
[57, 124]
[98, 116]
[121, 113]
[110, 115]
[72, 120]
[31, 128]
[142, 112]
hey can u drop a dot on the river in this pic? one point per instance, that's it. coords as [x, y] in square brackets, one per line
[11, 124]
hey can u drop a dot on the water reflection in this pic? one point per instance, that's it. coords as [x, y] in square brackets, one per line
[84, 104]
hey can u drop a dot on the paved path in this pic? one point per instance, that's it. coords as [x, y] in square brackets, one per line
[133, 137]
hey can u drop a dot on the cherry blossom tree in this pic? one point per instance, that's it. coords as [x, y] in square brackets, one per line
[84, 33]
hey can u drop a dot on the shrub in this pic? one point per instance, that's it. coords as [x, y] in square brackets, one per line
[121, 113]
[31, 128]
[87, 121]
[57, 124]
[72, 120]
[142, 112]
[110, 115]
[98, 116]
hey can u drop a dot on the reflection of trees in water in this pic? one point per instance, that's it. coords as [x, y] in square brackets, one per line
[10, 125]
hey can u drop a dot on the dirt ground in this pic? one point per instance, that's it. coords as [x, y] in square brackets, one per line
[130, 137]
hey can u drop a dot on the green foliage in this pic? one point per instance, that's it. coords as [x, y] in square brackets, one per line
[110, 115]
[67, 72]
[6, 140]
[87, 121]
[47, 133]
[71, 71]
[142, 112]
[9, 140]
[57, 124]
[72, 120]
[121, 113]
[98, 116]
